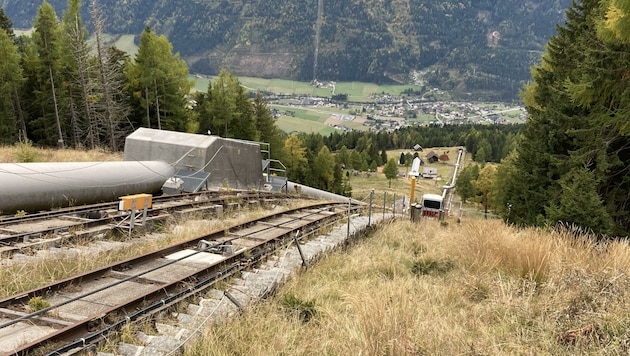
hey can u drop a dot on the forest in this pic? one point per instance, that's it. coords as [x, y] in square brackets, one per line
[568, 165]
[478, 49]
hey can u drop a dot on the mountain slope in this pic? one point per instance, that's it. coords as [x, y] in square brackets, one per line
[479, 46]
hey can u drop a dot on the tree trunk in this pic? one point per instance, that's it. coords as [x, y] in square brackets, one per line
[54, 97]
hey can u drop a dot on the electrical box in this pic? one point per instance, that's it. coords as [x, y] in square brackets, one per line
[141, 201]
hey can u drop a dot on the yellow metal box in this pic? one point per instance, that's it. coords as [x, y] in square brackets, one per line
[127, 202]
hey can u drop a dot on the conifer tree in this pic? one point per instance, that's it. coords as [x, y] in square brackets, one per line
[390, 170]
[296, 161]
[6, 24]
[10, 79]
[323, 170]
[112, 105]
[577, 129]
[50, 94]
[465, 179]
[158, 81]
[78, 74]
[267, 129]
[580, 204]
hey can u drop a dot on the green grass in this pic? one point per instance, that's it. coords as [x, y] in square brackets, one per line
[306, 114]
[291, 124]
[357, 91]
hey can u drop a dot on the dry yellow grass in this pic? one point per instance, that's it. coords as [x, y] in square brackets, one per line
[426, 289]
[24, 152]
[16, 278]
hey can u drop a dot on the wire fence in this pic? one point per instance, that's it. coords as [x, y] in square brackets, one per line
[398, 205]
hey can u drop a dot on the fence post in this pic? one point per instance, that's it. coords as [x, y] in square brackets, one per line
[349, 207]
[394, 206]
[384, 203]
[370, 207]
[297, 244]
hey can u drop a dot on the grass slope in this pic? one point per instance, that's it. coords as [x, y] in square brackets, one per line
[480, 288]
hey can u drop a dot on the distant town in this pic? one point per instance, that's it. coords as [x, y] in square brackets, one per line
[389, 113]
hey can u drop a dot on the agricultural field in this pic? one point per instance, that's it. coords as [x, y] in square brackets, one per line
[314, 119]
[291, 124]
[357, 91]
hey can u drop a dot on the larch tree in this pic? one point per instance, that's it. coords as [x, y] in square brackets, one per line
[323, 170]
[391, 170]
[296, 161]
[484, 186]
[158, 81]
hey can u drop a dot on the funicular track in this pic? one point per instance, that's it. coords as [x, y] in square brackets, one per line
[85, 308]
[18, 232]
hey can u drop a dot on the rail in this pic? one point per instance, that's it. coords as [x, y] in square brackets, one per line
[154, 281]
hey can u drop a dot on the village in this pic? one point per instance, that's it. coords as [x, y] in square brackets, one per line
[389, 113]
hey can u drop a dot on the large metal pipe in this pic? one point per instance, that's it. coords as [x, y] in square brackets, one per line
[44, 186]
[314, 192]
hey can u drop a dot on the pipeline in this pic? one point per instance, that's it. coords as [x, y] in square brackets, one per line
[318, 193]
[44, 186]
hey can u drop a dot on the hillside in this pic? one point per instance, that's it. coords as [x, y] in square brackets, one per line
[481, 47]
[475, 288]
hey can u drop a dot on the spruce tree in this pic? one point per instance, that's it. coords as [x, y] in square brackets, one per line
[50, 95]
[10, 79]
[578, 105]
[267, 129]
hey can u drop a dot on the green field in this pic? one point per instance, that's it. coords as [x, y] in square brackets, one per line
[357, 91]
[304, 113]
[290, 125]
[361, 92]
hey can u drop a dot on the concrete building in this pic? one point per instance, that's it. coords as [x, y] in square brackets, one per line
[217, 161]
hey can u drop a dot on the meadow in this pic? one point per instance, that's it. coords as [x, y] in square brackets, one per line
[476, 288]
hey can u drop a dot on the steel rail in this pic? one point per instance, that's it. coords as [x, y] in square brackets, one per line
[237, 261]
[186, 200]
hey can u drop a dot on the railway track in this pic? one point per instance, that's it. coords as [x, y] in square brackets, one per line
[31, 231]
[75, 313]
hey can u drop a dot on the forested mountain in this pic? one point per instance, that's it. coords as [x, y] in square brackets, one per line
[481, 46]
